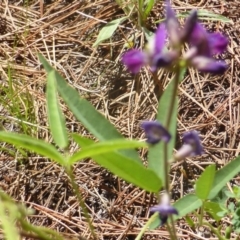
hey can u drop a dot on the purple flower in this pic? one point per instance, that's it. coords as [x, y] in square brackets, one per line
[207, 44]
[154, 55]
[164, 209]
[192, 146]
[134, 60]
[155, 132]
[209, 65]
[178, 36]
[172, 25]
[203, 46]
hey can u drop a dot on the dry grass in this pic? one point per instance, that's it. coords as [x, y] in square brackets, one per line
[65, 36]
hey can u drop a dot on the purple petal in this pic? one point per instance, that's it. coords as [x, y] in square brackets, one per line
[207, 43]
[218, 43]
[165, 59]
[199, 39]
[155, 132]
[189, 25]
[159, 39]
[163, 219]
[198, 34]
[164, 212]
[170, 14]
[164, 209]
[209, 65]
[192, 138]
[172, 25]
[134, 59]
[155, 47]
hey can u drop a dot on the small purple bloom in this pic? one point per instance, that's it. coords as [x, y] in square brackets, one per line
[189, 26]
[153, 55]
[134, 60]
[177, 35]
[218, 43]
[157, 43]
[209, 65]
[192, 138]
[164, 209]
[172, 25]
[205, 45]
[192, 146]
[155, 132]
[199, 39]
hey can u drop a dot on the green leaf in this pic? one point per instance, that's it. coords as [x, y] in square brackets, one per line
[94, 121]
[7, 215]
[107, 31]
[213, 209]
[32, 144]
[236, 191]
[207, 15]
[104, 147]
[224, 175]
[205, 182]
[150, 4]
[187, 204]
[222, 213]
[156, 152]
[125, 167]
[154, 221]
[55, 116]
[190, 222]
[222, 196]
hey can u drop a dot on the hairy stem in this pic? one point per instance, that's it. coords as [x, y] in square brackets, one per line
[80, 200]
[166, 160]
[158, 85]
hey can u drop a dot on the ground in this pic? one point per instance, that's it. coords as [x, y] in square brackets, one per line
[64, 32]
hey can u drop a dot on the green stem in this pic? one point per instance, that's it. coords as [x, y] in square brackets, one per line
[140, 14]
[174, 232]
[158, 84]
[166, 160]
[173, 99]
[214, 230]
[201, 214]
[146, 226]
[80, 200]
[167, 124]
[41, 232]
[166, 168]
[172, 235]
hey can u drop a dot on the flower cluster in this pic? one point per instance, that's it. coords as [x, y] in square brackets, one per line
[155, 132]
[203, 46]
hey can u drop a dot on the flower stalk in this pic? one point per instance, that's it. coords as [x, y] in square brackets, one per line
[158, 54]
